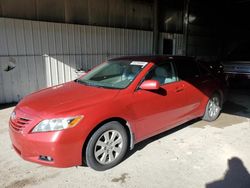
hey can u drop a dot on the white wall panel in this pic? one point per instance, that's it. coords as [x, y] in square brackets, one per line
[11, 36]
[47, 54]
[41, 71]
[20, 40]
[3, 40]
[23, 81]
[29, 38]
[6, 81]
[44, 38]
[51, 38]
[67, 68]
[58, 39]
[2, 96]
[65, 34]
[36, 32]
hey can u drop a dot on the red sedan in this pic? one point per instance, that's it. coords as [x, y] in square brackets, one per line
[96, 118]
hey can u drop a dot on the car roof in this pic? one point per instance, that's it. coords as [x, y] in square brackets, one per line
[152, 58]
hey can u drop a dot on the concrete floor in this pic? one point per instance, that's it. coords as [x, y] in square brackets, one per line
[197, 154]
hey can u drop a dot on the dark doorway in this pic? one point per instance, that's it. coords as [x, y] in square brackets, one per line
[167, 46]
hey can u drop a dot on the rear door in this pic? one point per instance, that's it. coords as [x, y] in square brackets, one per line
[207, 82]
[189, 74]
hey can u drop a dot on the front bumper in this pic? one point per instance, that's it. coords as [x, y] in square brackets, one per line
[65, 147]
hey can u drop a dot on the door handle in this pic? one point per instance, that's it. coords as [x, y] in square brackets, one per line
[204, 81]
[179, 89]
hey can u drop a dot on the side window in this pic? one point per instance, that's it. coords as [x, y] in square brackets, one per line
[187, 69]
[163, 73]
[203, 69]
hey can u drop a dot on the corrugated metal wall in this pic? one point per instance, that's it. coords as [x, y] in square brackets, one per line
[47, 54]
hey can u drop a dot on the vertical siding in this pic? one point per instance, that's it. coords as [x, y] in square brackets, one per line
[177, 42]
[47, 54]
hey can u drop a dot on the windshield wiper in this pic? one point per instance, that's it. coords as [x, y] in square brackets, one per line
[81, 82]
[93, 84]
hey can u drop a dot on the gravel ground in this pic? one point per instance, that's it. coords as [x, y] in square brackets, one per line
[197, 154]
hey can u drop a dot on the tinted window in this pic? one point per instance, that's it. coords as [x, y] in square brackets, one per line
[163, 73]
[203, 69]
[187, 69]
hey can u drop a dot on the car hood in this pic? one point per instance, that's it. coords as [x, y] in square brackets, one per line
[64, 99]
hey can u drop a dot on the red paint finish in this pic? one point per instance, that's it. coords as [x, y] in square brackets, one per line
[148, 112]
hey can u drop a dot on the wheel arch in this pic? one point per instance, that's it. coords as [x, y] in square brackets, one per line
[122, 121]
[220, 93]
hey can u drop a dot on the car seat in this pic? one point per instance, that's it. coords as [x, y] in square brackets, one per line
[162, 75]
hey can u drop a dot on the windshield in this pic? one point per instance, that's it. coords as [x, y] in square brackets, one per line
[113, 74]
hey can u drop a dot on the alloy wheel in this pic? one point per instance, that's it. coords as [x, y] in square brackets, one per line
[214, 107]
[108, 147]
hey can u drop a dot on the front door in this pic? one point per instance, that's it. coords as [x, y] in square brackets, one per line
[162, 109]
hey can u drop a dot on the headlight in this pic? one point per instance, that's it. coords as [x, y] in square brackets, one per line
[57, 124]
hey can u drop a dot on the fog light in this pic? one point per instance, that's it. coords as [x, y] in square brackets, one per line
[45, 158]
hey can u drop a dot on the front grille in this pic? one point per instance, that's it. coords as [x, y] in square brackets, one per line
[19, 123]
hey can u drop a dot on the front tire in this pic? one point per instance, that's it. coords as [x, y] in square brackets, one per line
[107, 146]
[213, 108]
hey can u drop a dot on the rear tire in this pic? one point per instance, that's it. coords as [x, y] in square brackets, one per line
[213, 108]
[107, 146]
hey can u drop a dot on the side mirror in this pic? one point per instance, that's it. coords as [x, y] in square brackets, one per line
[150, 85]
